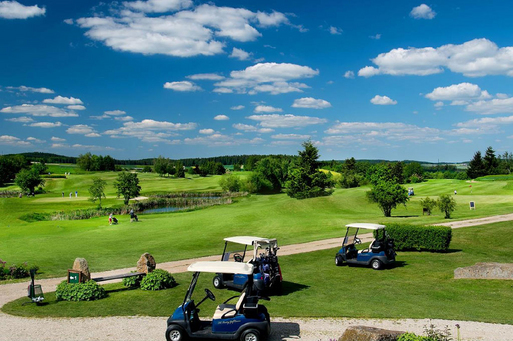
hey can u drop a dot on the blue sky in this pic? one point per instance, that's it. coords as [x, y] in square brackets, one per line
[181, 78]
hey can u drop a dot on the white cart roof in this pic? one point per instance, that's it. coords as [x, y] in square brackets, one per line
[222, 267]
[246, 240]
[367, 226]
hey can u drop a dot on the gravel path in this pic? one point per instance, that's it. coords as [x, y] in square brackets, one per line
[152, 328]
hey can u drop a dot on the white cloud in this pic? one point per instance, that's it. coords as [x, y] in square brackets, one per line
[150, 130]
[57, 139]
[38, 110]
[268, 77]
[158, 6]
[221, 118]
[486, 122]
[35, 140]
[206, 76]
[290, 137]
[266, 108]
[252, 129]
[63, 100]
[124, 118]
[22, 119]
[349, 74]
[422, 12]
[31, 89]
[439, 104]
[474, 58]
[220, 140]
[237, 107]
[114, 112]
[223, 90]
[13, 141]
[335, 30]
[182, 86]
[494, 106]
[46, 124]
[455, 92]
[382, 100]
[187, 33]
[206, 131]
[311, 103]
[15, 10]
[76, 107]
[240, 54]
[286, 121]
[82, 129]
[376, 36]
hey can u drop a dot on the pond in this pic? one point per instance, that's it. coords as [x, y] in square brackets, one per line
[162, 210]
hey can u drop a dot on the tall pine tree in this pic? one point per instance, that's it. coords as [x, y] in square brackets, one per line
[490, 162]
[476, 167]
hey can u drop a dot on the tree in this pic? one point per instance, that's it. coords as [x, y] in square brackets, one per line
[413, 172]
[446, 204]
[230, 183]
[180, 171]
[28, 179]
[428, 204]
[476, 166]
[40, 167]
[305, 180]
[84, 161]
[127, 185]
[490, 162]
[160, 165]
[97, 191]
[387, 195]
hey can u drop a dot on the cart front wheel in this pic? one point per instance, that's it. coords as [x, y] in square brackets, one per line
[250, 335]
[339, 261]
[376, 264]
[175, 333]
[218, 283]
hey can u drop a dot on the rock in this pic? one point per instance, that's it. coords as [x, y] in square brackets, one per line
[146, 263]
[485, 271]
[362, 333]
[81, 265]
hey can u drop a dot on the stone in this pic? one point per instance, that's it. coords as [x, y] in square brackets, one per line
[81, 264]
[363, 333]
[485, 271]
[146, 263]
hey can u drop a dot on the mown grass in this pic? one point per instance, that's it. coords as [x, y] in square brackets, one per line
[53, 245]
[420, 286]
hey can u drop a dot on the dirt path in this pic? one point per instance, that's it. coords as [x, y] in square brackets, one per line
[149, 328]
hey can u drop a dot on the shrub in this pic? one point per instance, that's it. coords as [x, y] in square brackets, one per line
[412, 337]
[132, 282]
[428, 204]
[15, 271]
[446, 204]
[412, 237]
[157, 280]
[88, 291]
[230, 183]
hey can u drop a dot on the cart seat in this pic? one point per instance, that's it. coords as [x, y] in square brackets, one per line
[229, 310]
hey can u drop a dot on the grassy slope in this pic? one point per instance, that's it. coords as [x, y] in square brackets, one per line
[54, 245]
[421, 286]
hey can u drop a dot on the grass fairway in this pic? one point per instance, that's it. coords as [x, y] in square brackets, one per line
[420, 286]
[53, 245]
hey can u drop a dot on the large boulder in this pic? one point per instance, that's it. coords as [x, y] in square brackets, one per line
[363, 333]
[486, 271]
[146, 263]
[81, 265]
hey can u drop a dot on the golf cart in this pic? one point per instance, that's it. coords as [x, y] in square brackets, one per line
[246, 320]
[267, 276]
[380, 252]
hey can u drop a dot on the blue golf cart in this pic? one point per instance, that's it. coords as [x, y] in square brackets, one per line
[267, 277]
[245, 320]
[379, 254]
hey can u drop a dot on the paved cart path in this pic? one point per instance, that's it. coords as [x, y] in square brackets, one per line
[152, 328]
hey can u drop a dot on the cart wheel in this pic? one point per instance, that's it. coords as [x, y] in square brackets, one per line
[376, 264]
[250, 335]
[175, 333]
[339, 261]
[218, 283]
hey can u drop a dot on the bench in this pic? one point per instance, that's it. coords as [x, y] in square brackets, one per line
[108, 278]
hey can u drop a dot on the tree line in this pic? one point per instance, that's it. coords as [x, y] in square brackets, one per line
[489, 164]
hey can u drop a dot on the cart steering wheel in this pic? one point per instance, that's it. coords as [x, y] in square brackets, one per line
[238, 257]
[210, 294]
[357, 241]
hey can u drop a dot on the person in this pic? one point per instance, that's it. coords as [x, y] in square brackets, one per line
[63, 194]
[111, 219]
[76, 194]
[70, 194]
[455, 192]
[133, 216]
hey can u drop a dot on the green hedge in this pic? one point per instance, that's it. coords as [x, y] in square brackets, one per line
[157, 280]
[88, 291]
[412, 237]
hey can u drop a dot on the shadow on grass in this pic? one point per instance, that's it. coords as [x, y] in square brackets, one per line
[405, 216]
[291, 287]
[397, 264]
[283, 331]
